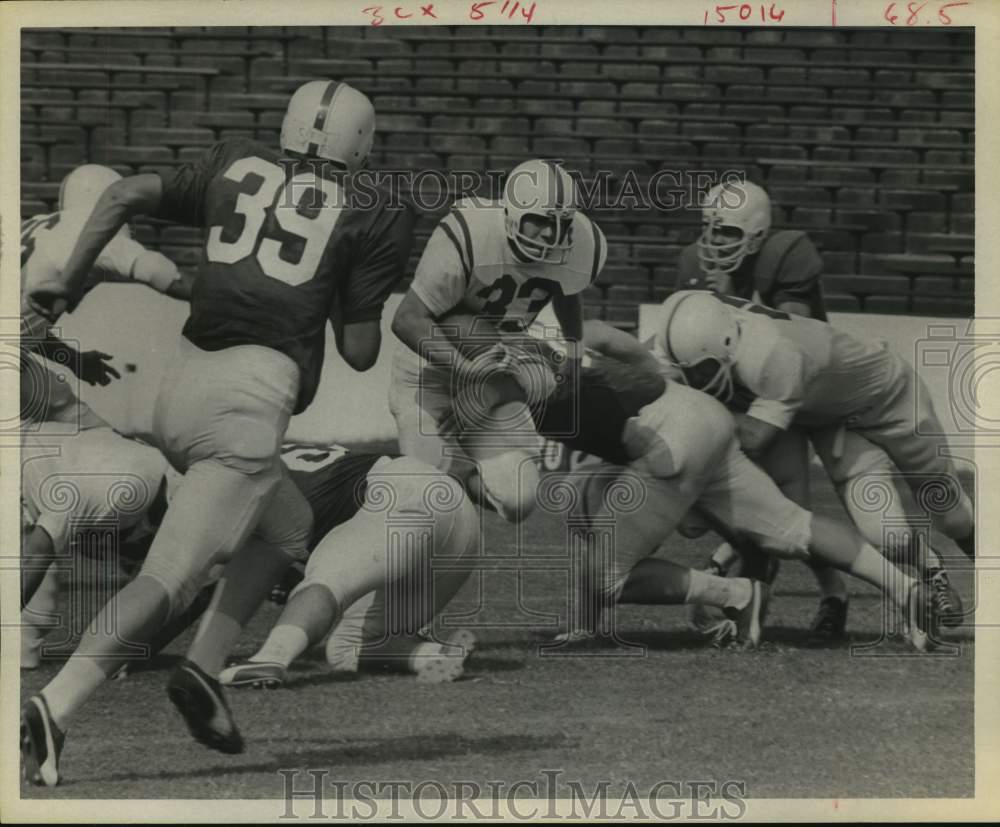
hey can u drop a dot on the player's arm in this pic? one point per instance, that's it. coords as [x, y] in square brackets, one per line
[780, 387]
[798, 281]
[357, 324]
[608, 340]
[121, 201]
[438, 287]
[160, 273]
[756, 435]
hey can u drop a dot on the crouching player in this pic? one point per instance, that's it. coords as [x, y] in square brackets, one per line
[868, 414]
[392, 543]
[682, 446]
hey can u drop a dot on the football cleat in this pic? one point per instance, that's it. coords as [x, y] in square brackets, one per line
[449, 664]
[830, 623]
[947, 602]
[200, 701]
[41, 743]
[258, 674]
[748, 620]
[919, 622]
[706, 620]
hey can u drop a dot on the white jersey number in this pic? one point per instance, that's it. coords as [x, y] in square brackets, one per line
[312, 226]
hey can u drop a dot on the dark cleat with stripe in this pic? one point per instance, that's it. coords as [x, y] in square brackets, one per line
[41, 743]
[200, 701]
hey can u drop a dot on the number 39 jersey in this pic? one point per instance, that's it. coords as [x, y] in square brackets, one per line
[285, 250]
[469, 265]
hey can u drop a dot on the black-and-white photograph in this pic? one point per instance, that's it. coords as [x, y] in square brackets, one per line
[454, 420]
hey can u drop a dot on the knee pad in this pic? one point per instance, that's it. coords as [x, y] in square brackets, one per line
[510, 481]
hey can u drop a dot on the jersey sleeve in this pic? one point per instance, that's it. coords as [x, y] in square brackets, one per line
[184, 190]
[381, 262]
[798, 274]
[118, 258]
[779, 384]
[445, 269]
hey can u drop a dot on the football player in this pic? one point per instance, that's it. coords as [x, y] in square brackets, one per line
[80, 492]
[738, 254]
[391, 546]
[672, 448]
[502, 261]
[52, 416]
[288, 247]
[867, 410]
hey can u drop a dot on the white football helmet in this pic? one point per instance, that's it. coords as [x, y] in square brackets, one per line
[81, 189]
[736, 219]
[699, 334]
[329, 119]
[543, 189]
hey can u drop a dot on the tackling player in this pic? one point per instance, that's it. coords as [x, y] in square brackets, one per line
[288, 247]
[738, 254]
[867, 409]
[502, 261]
[392, 544]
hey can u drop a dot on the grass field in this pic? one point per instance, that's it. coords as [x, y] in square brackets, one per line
[785, 720]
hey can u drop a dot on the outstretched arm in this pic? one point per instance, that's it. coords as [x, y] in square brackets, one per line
[120, 202]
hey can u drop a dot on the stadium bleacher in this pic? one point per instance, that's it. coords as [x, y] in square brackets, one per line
[866, 144]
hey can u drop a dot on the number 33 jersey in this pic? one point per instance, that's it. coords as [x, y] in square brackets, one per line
[285, 250]
[469, 265]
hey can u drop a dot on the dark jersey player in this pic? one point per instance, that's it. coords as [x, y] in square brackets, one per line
[286, 250]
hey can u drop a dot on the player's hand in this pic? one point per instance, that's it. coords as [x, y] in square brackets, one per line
[51, 299]
[94, 369]
[720, 283]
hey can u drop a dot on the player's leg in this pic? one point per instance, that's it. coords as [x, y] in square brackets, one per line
[420, 399]
[675, 444]
[410, 511]
[38, 617]
[280, 538]
[746, 500]
[906, 426]
[882, 507]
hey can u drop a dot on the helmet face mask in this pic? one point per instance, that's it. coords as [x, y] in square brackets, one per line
[550, 240]
[735, 222]
[539, 208]
[710, 375]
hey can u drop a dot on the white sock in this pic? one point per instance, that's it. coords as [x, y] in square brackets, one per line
[283, 645]
[722, 592]
[72, 687]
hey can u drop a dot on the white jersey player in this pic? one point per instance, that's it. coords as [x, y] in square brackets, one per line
[501, 261]
[47, 241]
[393, 541]
[860, 400]
[78, 491]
